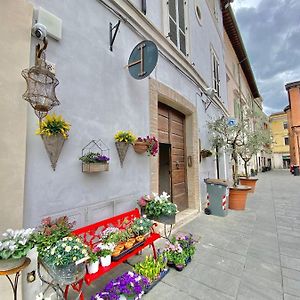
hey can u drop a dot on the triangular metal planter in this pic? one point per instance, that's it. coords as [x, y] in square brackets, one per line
[122, 148]
[53, 145]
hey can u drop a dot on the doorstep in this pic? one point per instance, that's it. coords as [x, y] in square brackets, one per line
[182, 218]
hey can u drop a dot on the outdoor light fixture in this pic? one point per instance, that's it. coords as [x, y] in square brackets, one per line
[41, 84]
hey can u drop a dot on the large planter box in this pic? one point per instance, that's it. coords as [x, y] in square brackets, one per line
[95, 167]
[156, 281]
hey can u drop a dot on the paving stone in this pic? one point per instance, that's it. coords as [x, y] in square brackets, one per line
[291, 286]
[290, 262]
[290, 273]
[214, 278]
[290, 297]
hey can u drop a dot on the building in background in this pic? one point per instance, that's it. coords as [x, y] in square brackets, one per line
[293, 116]
[280, 135]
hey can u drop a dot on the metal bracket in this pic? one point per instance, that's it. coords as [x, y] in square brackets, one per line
[144, 7]
[112, 35]
[207, 104]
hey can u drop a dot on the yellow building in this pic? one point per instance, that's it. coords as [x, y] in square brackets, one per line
[280, 145]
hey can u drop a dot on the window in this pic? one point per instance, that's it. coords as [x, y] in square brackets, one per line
[215, 73]
[177, 24]
[285, 125]
[286, 141]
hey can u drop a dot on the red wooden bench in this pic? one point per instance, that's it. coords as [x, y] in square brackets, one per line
[91, 235]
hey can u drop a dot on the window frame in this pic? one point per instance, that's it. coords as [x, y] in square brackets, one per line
[286, 138]
[216, 82]
[167, 29]
[285, 125]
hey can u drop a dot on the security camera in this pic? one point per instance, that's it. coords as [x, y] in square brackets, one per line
[210, 92]
[39, 31]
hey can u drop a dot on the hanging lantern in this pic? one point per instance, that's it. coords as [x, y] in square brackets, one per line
[41, 84]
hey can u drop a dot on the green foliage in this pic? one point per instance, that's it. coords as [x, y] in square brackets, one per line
[94, 256]
[141, 226]
[150, 267]
[160, 206]
[66, 251]
[16, 243]
[50, 232]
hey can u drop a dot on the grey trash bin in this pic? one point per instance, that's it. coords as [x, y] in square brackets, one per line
[296, 171]
[217, 197]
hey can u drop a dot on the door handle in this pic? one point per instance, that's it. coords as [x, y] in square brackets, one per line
[177, 165]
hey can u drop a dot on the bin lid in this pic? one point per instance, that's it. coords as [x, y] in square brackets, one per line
[216, 181]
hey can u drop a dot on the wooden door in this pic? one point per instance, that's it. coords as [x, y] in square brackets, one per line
[171, 130]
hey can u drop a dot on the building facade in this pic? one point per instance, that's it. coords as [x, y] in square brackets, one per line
[98, 97]
[280, 146]
[293, 115]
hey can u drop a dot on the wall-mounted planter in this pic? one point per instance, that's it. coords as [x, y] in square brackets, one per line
[122, 148]
[140, 147]
[95, 167]
[95, 157]
[53, 145]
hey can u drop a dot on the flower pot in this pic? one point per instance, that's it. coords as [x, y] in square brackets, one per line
[128, 245]
[140, 147]
[122, 148]
[140, 238]
[11, 263]
[179, 267]
[66, 275]
[53, 145]
[105, 261]
[95, 167]
[249, 182]
[169, 220]
[238, 197]
[93, 267]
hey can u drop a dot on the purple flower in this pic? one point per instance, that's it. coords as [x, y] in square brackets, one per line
[102, 158]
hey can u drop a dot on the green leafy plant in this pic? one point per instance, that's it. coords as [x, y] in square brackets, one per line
[16, 243]
[104, 250]
[141, 226]
[53, 125]
[159, 205]
[93, 256]
[151, 268]
[92, 158]
[50, 232]
[66, 251]
[125, 136]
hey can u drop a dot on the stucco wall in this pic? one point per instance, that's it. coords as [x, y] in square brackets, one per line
[15, 29]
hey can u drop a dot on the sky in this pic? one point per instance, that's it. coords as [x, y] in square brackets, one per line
[271, 34]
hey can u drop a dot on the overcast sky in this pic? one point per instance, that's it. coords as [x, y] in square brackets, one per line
[271, 34]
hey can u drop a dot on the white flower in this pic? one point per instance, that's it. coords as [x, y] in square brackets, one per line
[64, 245]
[74, 258]
[130, 273]
[68, 249]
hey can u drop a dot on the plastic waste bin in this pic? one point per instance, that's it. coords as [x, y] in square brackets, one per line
[217, 197]
[296, 170]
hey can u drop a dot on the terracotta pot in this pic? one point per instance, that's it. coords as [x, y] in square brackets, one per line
[249, 182]
[140, 238]
[238, 197]
[128, 245]
[116, 253]
[140, 147]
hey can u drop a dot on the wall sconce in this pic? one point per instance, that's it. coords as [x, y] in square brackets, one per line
[41, 84]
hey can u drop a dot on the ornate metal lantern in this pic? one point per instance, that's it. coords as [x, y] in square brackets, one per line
[41, 84]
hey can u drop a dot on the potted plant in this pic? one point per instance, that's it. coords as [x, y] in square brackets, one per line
[179, 250]
[122, 140]
[149, 144]
[14, 248]
[141, 226]
[93, 263]
[159, 208]
[65, 260]
[153, 269]
[253, 142]
[50, 232]
[104, 251]
[54, 130]
[205, 153]
[228, 133]
[127, 286]
[94, 162]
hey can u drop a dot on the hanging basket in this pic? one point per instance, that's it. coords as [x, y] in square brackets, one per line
[140, 147]
[122, 148]
[95, 167]
[53, 145]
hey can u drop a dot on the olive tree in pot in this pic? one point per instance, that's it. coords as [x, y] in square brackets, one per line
[229, 134]
[253, 142]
